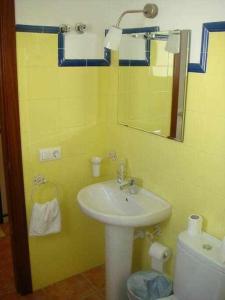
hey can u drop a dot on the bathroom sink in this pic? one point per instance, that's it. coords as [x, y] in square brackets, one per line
[120, 212]
[106, 203]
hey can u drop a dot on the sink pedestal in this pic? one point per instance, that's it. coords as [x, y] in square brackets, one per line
[118, 257]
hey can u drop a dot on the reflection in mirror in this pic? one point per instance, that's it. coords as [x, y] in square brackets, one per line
[135, 46]
[152, 97]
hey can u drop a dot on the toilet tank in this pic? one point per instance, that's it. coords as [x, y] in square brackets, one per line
[199, 272]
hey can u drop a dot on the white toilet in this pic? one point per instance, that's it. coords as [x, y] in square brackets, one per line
[199, 271]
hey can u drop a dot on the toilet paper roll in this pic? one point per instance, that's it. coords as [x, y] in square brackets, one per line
[194, 225]
[159, 255]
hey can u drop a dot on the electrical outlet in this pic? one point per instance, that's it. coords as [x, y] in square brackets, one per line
[50, 154]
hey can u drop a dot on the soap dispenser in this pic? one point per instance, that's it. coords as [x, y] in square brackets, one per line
[121, 171]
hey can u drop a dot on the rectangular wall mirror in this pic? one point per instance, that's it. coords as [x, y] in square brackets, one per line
[152, 97]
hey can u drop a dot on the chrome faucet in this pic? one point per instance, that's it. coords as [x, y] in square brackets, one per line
[130, 185]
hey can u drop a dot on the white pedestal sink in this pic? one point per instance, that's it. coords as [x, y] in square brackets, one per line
[121, 213]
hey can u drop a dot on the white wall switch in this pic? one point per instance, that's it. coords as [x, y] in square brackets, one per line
[50, 153]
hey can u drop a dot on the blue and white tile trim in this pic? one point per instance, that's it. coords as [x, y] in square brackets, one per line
[206, 29]
[37, 29]
[62, 62]
[193, 67]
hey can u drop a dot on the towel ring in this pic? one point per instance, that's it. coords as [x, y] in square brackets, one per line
[41, 181]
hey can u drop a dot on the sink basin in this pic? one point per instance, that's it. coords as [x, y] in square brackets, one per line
[120, 212]
[106, 203]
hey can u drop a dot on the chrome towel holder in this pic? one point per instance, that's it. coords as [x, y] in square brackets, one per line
[40, 181]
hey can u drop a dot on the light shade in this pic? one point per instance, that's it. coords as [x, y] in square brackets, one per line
[173, 43]
[113, 38]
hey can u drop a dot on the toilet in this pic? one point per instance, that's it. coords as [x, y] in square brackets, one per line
[199, 269]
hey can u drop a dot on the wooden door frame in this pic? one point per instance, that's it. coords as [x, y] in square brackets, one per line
[11, 144]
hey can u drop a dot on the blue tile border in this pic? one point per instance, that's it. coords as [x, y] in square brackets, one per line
[192, 67]
[37, 28]
[134, 62]
[63, 62]
[206, 29]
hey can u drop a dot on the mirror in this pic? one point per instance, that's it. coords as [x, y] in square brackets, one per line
[152, 81]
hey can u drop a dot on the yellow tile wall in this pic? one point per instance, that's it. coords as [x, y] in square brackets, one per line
[190, 175]
[59, 107]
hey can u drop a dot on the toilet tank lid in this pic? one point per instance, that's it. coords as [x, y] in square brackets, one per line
[205, 247]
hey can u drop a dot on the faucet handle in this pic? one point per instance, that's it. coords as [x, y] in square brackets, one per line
[133, 187]
[135, 181]
[132, 181]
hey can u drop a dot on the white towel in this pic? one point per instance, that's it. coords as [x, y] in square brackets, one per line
[45, 218]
